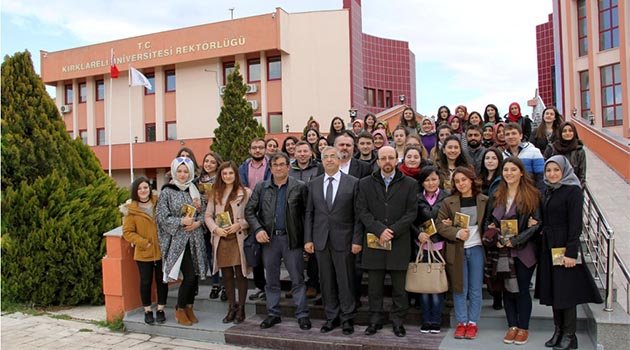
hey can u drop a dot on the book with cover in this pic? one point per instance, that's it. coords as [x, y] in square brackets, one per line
[509, 228]
[557, 256]
[461, 220]
[374, 243]
[223, 219]
[188, 210]
[428, 227]
[205, 188]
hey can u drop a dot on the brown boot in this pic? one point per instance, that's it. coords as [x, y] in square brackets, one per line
[240, 314]
[190, 314]
[180, 316]
[231, 314]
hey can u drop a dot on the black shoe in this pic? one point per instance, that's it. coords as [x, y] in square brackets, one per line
[270, 321]
[148, 317]
[305, 323]
[160, 317]
[257, 295]
[357, 304]
[347, 327]
[568, 341]
[223, 294]
[435, 328]
[555, 338]
[426, 328]
[214, 293]
[497, 303]
[400, 331]
[330, 325]
[372, 328]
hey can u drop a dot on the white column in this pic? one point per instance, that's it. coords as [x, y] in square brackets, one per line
[89, 110]
[263, 90]
[160, 133]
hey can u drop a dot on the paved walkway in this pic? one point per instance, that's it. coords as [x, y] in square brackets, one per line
[26, 332]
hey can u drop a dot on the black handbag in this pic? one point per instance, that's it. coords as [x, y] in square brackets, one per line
[252, 250]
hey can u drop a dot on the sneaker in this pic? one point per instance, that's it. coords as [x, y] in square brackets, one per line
[257, 295]
[148, 317]
[510, 335]
[460, 331]
[223, 295]
[214, 293]
[521, 337]
[311, 292]
[435, 328]
[471, 331]
[160, 316]
[426, 328]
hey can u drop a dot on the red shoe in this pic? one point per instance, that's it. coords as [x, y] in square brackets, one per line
[460, 331]
[471, 331]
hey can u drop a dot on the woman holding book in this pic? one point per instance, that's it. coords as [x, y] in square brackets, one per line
[511, 226]
[562, 281]
[140, 230]
[180, 232]
[464, 251]
[225, 218]
[429, 203]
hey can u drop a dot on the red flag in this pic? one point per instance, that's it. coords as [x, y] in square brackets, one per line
[113, 70]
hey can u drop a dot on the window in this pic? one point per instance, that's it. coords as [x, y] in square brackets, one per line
[253, 70]
[83, 135]
[169, 80]
[171, 130]
[370, 99]
[388, 98]
[149, 132]
[228, 67]
[274, 68]
[82, 92]
[151, 79]
[585, 98]
[275, 122]
[612, 109]
[68, 94]
[608, 24]
[101, 139]
[582, 29]
[100, 90]
[379, 99]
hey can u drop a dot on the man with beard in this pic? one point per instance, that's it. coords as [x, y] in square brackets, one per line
[475, 150]
[254, 170]
[366, 149]
[387, 206]
[348, 165]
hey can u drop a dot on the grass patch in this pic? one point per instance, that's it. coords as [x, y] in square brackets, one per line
[85, 330]
[11, 307]
[116, 325]
[61, 317]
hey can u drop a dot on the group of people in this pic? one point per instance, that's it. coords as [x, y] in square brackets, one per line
[320, 197]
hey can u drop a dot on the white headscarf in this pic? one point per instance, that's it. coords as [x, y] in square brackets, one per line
[568, 176]
[194, 192]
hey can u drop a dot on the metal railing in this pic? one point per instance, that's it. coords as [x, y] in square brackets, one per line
[599, 239]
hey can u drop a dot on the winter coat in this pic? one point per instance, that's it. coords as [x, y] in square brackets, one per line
[261, 208]
[312, 170]
[427, 211]
[577, 158]
[559, 286]
[454, 246]
[395, 208]
[140, 230]
[243, 172]
[533, 161]
[173, 238]
[238, 210]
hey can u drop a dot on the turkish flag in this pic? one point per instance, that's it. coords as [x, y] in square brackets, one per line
[113, 70]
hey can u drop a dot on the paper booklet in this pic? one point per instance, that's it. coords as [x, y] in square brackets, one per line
[205, 187]
[428, 227]
[461, 220]
[223, 219]
[188, 211]
[557, 256]
[374, 243]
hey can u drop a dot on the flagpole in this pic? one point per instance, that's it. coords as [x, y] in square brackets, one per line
[109, 118]
[130, 132]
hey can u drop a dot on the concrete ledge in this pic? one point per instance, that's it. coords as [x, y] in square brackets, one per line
[611, 330]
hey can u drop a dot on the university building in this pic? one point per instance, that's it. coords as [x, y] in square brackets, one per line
[296, 65]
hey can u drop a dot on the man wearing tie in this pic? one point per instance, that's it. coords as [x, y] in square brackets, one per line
[387, 206]
[333, 232]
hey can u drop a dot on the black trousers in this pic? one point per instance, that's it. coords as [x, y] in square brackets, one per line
[312, 272]
[149, 269]
[518, 306]
[259, 277]
[566, 319]
[400, 303]
[190, 283]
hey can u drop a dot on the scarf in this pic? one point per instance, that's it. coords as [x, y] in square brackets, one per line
[411, 172]
[568, 176]
[562, 146]
[382, 133]
[450, 120]
[188, 185]
[514, 118]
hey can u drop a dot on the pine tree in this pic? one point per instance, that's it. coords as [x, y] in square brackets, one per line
[56, 200]
[237, 126]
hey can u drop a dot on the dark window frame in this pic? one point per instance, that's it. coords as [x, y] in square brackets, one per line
[167, 74]
[100, 142]
[271, 60]
[146, 132]
[151, 78]
[67, 100]
[608, 11]
[269, 121]
[582, 37]
[584, 91]
[167, 136]
[249, 75]
[226, 66]
[83, 97]
[617, 120]
[99, 82]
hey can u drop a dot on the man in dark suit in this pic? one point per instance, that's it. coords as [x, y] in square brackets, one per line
[387, 206]
[333, 232]
[348, 164]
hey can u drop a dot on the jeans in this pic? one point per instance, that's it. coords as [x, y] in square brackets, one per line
[467, 304]
[432, 304]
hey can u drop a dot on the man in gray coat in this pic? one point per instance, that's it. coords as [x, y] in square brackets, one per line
[387, 206]
[333, 232]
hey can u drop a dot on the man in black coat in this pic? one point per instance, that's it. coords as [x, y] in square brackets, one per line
[350, 165]
[387, 206]
[332, 230]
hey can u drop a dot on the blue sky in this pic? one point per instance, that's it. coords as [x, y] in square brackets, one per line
[467, 52]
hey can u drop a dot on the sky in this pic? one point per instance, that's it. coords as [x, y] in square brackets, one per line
[467, 52]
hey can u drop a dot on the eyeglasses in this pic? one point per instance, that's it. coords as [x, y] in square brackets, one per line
[281, 165]
[183, 159]
[257, 147]
[330, 156]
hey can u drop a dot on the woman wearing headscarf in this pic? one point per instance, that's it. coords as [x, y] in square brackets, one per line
[427, 133]
[462, 112]
[566, 283]
[180, 233]
[499, 136]
[380, 139]
[568, 144]
[514, 116]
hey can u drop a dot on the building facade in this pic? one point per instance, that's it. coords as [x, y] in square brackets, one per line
[296, 65]
[546, 62]
[592, 44]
